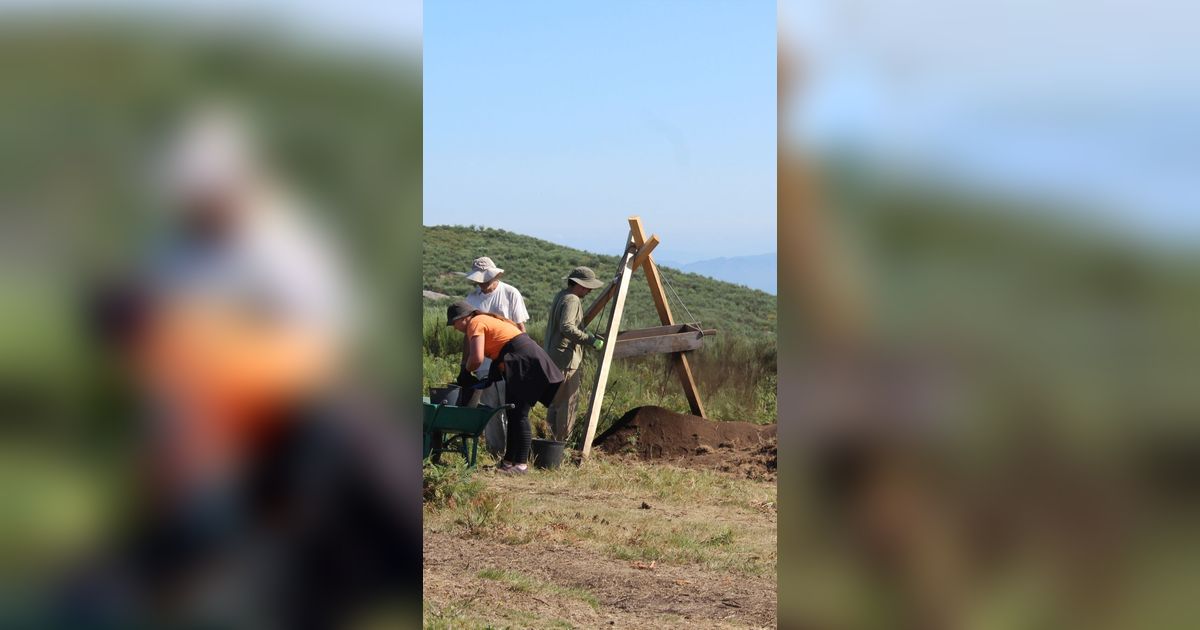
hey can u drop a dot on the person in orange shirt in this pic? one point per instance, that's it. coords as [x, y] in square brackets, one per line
[237, 331]
[249, 303]
[529, 374]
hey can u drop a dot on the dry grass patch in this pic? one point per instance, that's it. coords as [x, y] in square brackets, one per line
[473, 616]
[620, 475]
[628, 511]
[518, 581]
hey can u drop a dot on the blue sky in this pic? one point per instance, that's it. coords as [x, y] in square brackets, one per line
[379, 26]
[1093, 104]
[560, 119]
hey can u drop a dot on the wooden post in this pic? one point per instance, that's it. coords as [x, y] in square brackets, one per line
[598, 305]
[682, 367]
[614, 326]
[644, 252]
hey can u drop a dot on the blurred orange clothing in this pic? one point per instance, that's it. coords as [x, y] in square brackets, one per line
[496, 333]
[228, 379]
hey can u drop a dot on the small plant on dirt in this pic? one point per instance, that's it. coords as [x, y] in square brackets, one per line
[723, 538]
[475, 507]
[527, 584]
[486, 511]
[446, 617]
[516, 581]
[448, 485]
[541, 428]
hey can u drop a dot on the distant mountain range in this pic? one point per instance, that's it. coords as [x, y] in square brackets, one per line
[756, 272]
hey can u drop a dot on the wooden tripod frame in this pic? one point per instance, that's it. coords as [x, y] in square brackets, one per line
[637, 254]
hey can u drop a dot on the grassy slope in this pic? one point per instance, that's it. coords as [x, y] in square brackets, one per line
[537, 267]
[735, 371]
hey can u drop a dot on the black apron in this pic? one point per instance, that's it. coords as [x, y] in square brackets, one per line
[529, 374]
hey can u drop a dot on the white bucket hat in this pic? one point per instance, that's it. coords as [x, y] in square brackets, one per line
[214, 152]
[483, 270]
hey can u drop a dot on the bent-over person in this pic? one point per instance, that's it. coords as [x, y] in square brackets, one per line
[528, 373]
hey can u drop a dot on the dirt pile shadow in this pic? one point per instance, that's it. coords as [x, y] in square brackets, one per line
[654, 433]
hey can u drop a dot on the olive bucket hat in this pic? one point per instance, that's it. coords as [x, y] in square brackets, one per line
[457, 311]
[584, 277]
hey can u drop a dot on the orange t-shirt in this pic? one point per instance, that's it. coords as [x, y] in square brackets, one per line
[496, 333]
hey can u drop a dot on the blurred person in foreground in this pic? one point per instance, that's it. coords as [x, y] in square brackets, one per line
[248, 297]
[565, 339]
[529, 374]
[493, 295]
[271, 497]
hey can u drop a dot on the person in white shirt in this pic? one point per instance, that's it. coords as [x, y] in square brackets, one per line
[492, 295]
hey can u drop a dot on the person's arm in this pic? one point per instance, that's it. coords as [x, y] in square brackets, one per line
[474, 352]
[570, 313]
[520, 314]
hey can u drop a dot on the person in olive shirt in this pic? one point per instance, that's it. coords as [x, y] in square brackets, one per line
[564, 343]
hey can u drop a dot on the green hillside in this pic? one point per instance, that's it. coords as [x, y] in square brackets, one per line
[537, 268]
[735, 370]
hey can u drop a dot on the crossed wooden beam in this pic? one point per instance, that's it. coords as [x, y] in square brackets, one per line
[637, 255]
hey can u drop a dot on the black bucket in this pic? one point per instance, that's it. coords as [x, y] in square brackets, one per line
[547, 454]
[444, 395]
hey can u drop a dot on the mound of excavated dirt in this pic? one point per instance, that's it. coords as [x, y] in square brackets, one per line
[650, 432]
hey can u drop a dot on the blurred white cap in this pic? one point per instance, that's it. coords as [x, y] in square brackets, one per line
[213, 154]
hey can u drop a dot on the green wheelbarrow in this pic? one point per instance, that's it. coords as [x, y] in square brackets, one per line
[450, 429]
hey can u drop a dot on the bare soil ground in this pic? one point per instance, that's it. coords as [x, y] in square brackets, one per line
[612, 543]
[558, 584]
[654, 433]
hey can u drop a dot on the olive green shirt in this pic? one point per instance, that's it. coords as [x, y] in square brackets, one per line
[563, 332]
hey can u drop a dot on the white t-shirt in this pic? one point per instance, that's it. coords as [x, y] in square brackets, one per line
[278, 266]
[505, 300]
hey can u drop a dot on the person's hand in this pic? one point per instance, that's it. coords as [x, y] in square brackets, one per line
[465, 378]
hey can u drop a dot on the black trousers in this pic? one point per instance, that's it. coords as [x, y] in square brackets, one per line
[520, 434]
[334, 496]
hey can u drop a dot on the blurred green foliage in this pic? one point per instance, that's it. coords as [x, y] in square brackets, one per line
[85, 108]
[84, 114]
[1052, 315]
[1027, 380]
